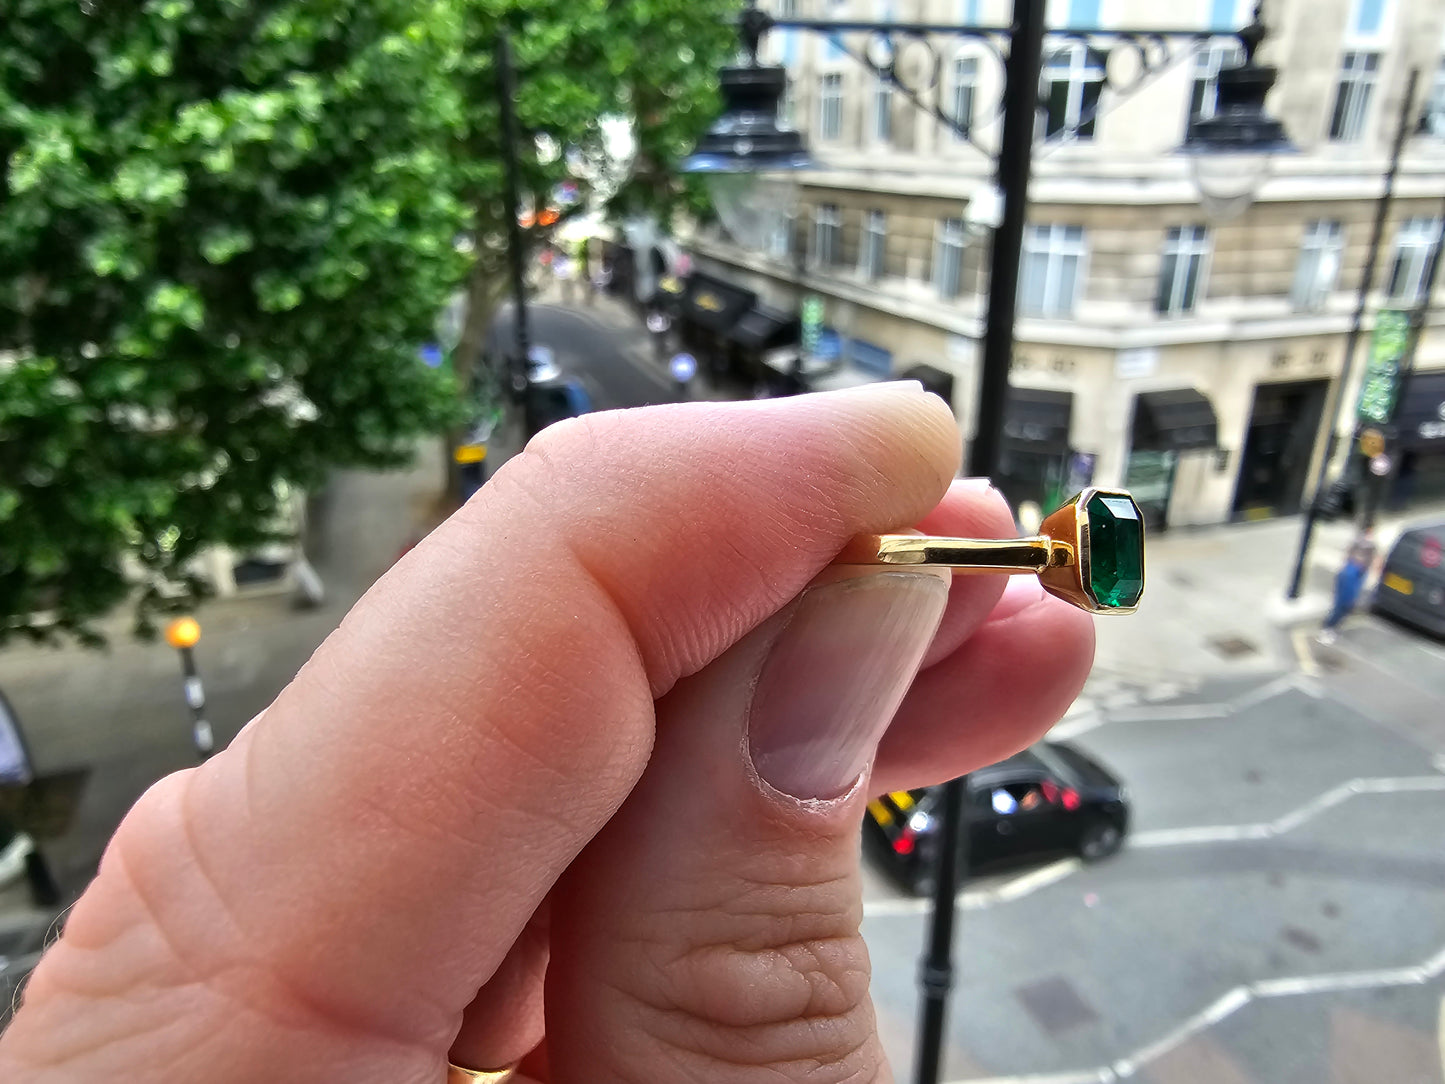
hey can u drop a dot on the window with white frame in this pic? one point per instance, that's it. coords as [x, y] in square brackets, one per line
[1052, 270]
[880, 124]
[827, 234]
[830, 106]
[1320, 252]
[1359, 72]
[1413, 242]
[871, 253]
[1434, 122]
[780, 235]
[948, 257]
[1073, 79]
[965, 90]
[1181, 269]
[1208, 63]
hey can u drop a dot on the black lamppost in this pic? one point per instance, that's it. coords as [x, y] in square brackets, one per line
[517, 362]
[747, 138]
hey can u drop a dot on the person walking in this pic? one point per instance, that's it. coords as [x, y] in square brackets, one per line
[1350, 581]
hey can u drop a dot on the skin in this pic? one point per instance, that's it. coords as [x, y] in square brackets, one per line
[506, 810]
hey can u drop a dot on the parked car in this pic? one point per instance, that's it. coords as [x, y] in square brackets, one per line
[1412, 582]
[1047, 800]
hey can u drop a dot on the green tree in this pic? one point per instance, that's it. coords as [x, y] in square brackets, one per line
[226, 228]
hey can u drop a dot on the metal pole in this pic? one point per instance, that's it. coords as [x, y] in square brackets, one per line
[1367, 278]
[506, 99]
[1021, 83]
[201, 735]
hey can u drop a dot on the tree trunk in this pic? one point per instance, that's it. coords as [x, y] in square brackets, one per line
[486, 286]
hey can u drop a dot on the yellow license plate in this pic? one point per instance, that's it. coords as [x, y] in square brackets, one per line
[1399, 583]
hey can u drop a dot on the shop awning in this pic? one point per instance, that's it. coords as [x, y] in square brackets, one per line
[1420, 415]
[713, 304]
[1178, 420]
[762, 328]
[1038, 417]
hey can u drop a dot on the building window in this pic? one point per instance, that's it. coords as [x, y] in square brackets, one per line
[1367, 20]
[948, 258]
[1358, 72]
[1434, 121]
[1052, 270]
[875, 239]
[827, 234]
[1181, 269]
[882, 118]
[1413, 242]
[1073, 78]
[830, 106]
[1319, 264]
[780, 236]
[965, 89]
[787, 106]
[1210, 61]
[788, 9]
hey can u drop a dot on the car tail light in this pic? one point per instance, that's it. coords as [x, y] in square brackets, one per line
[904, 843]
[1071, 799]
[1050, 791]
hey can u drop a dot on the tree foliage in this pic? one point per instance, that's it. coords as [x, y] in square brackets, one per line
[227, 226]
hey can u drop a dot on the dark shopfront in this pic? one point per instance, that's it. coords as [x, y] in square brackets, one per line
[1420, 433]
[1166, 426]
[1283, 427]
[1034, 456]
[709, 310]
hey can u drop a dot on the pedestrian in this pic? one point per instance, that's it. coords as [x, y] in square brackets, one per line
[1350, 581]
[573, 793]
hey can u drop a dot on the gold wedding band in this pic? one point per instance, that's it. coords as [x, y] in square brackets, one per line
[457, 1075]
[1090, 552]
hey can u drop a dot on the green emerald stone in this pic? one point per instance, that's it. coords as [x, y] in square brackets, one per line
[1115, 571]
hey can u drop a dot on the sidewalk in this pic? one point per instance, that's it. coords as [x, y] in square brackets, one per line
[1215, 601]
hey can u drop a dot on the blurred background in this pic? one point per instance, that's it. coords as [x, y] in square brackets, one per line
[281, 284]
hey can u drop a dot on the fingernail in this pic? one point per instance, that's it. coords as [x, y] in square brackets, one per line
[836, 675]
[972, 485]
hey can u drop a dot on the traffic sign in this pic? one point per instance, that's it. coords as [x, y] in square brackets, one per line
[1372, 443]
[683, 367]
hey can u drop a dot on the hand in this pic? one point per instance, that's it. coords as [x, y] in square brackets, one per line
[596, 725]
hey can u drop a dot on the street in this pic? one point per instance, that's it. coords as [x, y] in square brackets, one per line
[1276, 916]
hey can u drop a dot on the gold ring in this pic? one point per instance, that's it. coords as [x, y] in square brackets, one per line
[457, 1075]
[1090, 552]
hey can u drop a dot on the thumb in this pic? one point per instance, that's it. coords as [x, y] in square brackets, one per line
[711, 932]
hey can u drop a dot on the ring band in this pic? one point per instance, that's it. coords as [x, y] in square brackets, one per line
[457, 1075]
[1090, 552]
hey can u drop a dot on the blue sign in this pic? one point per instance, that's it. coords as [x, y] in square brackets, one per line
[870, 358]
[431, 355]
[683, 366]
[830, 345]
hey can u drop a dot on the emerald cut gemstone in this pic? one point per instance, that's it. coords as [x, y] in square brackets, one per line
[1115, 571]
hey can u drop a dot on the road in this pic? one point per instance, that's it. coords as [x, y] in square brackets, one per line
[1277, 917]
[613, 362]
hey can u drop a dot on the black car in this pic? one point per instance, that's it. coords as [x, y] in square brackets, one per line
[1049, 799]
[1412, 584]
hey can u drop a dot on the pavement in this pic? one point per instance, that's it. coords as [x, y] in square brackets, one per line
[1277, 915]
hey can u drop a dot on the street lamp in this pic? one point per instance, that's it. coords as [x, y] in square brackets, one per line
[748, 138]
[183, 634]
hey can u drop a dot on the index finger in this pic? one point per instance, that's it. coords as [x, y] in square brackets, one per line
[484, 710]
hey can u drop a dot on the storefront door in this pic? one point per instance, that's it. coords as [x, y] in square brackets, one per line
[1283, 427]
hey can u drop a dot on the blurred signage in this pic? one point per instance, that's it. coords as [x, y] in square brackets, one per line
[432, 356]
[670, 284]
[1430, 552]
[1142, 361]
[1382, 374]
[829, 346]
[470, 453]
[708, 303]
[812, 320]
[1433, 430]
[1372, 442]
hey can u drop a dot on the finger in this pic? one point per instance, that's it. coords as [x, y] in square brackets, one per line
[711, 931]
[497, 681]
[1000, 692]
[972, 509]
